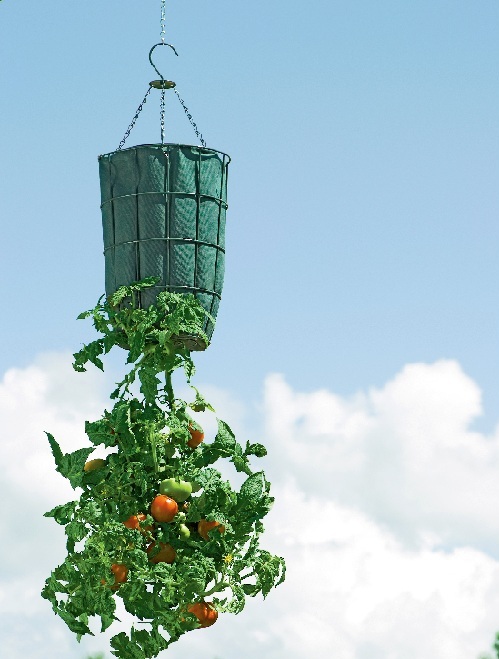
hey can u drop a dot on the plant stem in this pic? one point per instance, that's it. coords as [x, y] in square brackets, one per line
[152, 439]
[169, 388]
[217, 587]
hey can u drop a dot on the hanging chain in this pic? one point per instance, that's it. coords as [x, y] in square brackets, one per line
[132, 123]
[162, 115]
[189, 115]
[163, 21]
[191, 120]
[162, 104]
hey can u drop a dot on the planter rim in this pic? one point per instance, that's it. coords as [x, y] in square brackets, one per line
[189, 146]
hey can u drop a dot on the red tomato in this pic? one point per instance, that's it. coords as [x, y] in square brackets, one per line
[133, 522]
[204, 526]
[205, 612]
[197, 436]
[163, 508]
[166, 553]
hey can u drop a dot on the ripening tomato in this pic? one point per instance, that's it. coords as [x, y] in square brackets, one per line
[197, 436]
[163, 508]
[204, 526]
[92, 465]
[133, 522]
[166, 553]
[205, 612]
[120, 572]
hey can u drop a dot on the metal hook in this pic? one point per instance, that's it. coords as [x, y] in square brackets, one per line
[161, 84]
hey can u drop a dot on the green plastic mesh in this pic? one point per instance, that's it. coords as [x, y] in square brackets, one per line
[163, 215]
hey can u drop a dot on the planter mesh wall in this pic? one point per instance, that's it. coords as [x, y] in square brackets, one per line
[163, 214]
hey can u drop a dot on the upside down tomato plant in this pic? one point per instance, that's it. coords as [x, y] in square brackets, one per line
[155, 523]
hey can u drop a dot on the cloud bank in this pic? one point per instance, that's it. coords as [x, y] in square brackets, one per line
[385, 512]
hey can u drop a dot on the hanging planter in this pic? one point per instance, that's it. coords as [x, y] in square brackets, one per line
[163, 215]
[155, 524]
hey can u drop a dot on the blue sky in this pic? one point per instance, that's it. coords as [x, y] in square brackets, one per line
[363, 201]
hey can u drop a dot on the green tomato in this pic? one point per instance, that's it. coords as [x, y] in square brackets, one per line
[184, 531]
[177, 490]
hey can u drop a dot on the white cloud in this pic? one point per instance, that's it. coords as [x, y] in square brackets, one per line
[363, 585]
[404, 454]
[383, 513]
[46, 396]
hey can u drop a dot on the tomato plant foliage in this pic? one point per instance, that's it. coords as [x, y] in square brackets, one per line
[148, 440]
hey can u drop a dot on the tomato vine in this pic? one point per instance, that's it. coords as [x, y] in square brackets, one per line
[164, 571]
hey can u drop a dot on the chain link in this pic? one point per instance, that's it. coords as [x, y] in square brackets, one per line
[191, 120]
[132, 123]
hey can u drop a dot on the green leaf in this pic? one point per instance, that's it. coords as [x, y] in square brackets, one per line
[226, 446]
[56, 450]
[253, 490]
[106, 621]
[137, 344]
[74, 625]
[151, 642]
[258, 450]
[99, 432]
[238, 601]
[118, 296]
[63, 514]
[253, 500]
[70, 465]
[200, 404]
[209, 479]
[149, 384]
[270, 571]
[89, 353]
[76, 531]
[124, 648]
[140, 645]
[250, 589]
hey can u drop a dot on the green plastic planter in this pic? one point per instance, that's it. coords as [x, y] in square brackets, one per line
[163, 215]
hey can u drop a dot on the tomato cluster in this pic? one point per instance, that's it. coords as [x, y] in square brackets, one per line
[164, 508]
